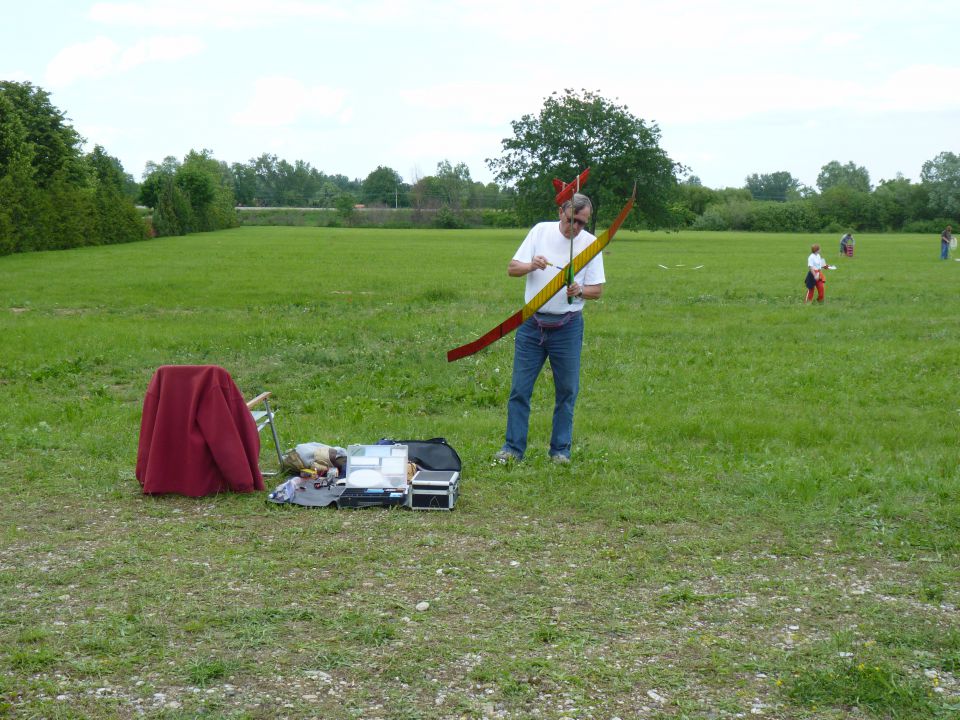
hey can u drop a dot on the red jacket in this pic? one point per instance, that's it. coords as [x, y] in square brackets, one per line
[197, 436]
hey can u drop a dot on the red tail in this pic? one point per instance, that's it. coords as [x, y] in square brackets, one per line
[565, 191]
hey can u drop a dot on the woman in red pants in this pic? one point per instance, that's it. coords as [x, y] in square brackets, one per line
[814, 279]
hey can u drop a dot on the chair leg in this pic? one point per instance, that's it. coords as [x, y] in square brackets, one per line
[276, 439]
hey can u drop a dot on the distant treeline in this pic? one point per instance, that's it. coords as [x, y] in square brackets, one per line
[54, 196]
[268, 181]
[844, 200]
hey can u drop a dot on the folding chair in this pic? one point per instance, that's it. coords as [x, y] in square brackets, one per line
[263, 418]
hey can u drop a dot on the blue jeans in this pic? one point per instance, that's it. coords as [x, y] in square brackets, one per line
[944, 250]
[532, 347]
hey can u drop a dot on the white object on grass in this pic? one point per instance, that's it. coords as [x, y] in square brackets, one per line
[663, 266]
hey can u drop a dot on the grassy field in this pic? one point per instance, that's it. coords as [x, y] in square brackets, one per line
[762, 517]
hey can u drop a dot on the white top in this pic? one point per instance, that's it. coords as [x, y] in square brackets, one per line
[546, 239]
[815, 262]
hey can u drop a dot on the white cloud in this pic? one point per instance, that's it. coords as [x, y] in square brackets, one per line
[102, 56]
[478, 102]
[160, 49]
[15, 75]
[90, 59]
[280, 101]
[198, 14]
[454, 146]
[841, 39]
[918, 88]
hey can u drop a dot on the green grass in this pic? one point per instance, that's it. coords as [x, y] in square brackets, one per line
[762, 515]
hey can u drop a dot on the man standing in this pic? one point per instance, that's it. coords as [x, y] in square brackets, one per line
[946, 240]
[555, 332]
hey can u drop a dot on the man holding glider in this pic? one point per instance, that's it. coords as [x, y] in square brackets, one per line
[555, 332]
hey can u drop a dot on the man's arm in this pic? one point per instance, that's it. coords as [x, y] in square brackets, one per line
[517, 268]
[587, 292]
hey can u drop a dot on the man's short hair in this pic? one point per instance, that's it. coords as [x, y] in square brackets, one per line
[579, 201]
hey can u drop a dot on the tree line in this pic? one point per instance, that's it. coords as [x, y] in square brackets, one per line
[52, 195]
[268, 181]
[844, 200]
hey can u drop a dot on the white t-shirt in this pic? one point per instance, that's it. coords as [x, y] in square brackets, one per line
[546, 239]
[816, 262]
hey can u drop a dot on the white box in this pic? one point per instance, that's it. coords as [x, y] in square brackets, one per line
[377, 466]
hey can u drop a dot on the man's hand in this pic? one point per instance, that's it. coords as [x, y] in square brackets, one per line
[519, 269]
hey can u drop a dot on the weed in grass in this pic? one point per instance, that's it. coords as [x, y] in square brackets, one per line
[33, 659]
[548, 634]
[679, 596]
[201, 672]
[867, 683]
[329, 659]
[32, 635]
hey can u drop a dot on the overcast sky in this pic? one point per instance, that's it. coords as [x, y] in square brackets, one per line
[736, 87]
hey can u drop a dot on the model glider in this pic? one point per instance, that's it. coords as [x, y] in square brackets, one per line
[565, 191]
[548, 291]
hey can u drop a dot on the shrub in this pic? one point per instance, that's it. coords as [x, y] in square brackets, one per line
[712, 219]
[446, 219]
[928, 226]
[500, 219]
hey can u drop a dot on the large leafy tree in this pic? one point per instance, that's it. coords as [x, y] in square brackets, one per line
[454, 184]
[268, 180]
[576, 130]
[426, 193]
[117, 220]
[193, 196]
[19, 196]
[51, 196]
[779, 186]
[942, 177]
[849, 207]
[245, 183]
[900, 201]
[833, 174]
[382, 187]
[56, 145]
[694, 197]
